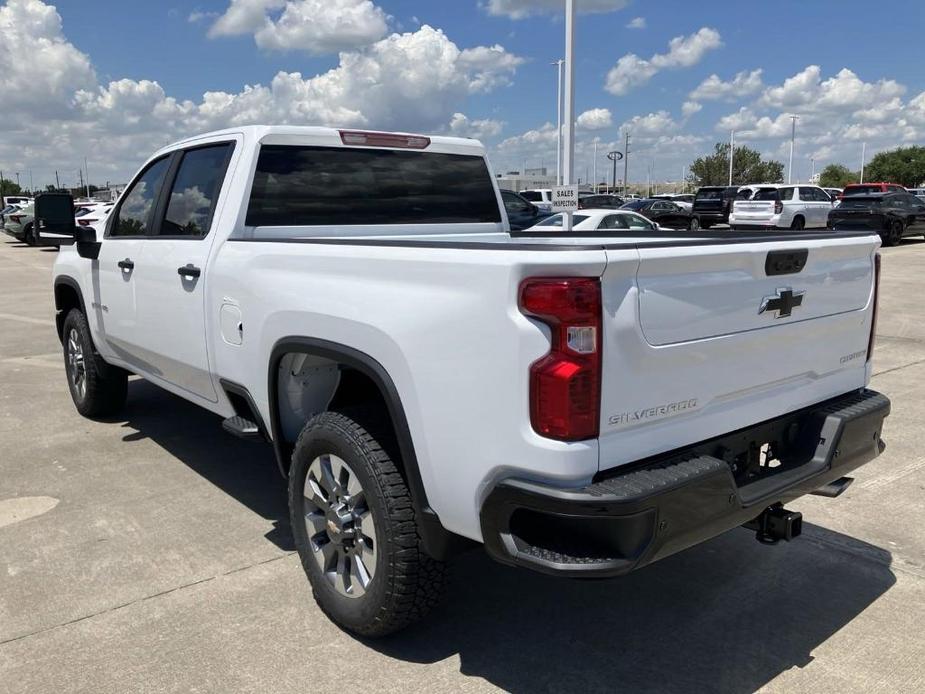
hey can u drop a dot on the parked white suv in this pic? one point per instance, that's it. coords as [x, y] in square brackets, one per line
[782, 207]
[541, 197]
[583, 403]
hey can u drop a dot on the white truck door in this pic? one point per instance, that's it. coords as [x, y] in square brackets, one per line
[171, 284]
[114, 276]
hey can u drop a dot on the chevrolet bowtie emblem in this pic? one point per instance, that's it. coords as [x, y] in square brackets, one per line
[782, 303]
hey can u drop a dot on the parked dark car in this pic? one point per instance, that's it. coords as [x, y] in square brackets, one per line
[892, 215]
[712, 204]
[600, 202]
[664, 212]
[521, 213]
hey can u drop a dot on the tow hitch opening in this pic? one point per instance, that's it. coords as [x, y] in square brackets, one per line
[775, 524]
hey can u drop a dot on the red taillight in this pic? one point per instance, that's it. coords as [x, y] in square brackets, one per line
[778, 207]
[565, 385]
[16, 218]
[355, 137]
[85, 222]
[873, 322]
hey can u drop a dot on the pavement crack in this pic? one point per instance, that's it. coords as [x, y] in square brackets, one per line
[145, 598]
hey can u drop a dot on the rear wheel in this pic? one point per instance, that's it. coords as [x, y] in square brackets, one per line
[97, 388]
[894, 235]
[694, 224]
[354, 527]
[27, 235]
[703, 224]
[798, 224]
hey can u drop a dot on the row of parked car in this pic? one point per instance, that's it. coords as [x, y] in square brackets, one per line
[17, 216]
[887, 208]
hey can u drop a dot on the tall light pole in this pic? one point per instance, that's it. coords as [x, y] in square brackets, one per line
[569, 98]
[559, 63]
[793, 136]
[812, 175]
[594, 169]
[863, 157]
[626, 161]
[732, 149]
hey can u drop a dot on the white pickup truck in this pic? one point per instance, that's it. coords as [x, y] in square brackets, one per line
[580, 404]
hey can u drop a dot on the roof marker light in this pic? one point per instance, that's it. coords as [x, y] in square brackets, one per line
[368, 139]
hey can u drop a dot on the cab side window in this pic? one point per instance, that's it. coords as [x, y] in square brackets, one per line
[195, 191]
[137, 208]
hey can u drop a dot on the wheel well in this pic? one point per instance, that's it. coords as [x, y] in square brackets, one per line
[66, 298]
[309, 375]
[308, 385]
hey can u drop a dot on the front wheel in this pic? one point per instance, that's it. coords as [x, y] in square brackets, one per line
[354, 527]
[27, 236]
[694, 224]
[97, 388]
[798, 224]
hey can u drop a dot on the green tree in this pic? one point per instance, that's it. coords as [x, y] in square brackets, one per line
[747, 167]
[904, 165]
[837, 176]
[8, 187]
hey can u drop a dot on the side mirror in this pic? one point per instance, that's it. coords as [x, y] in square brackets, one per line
[87, 245]
[54, 219]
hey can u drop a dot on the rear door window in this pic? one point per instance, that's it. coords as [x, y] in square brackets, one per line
[195, 191]
[337, 186]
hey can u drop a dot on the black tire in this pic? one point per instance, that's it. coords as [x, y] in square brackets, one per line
[894, 235]
[705, 225]
[405, 582]
[693, 224]
[798, 224]
[27, 235]
[98, 389]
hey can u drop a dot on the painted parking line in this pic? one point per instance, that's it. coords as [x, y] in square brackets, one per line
[26, 319]
[894, 475]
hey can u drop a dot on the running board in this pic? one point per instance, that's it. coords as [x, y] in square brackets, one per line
[242, 428]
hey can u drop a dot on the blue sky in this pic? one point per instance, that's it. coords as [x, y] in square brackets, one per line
[505, 95]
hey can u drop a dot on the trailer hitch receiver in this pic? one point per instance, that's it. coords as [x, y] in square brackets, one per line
[775, 524]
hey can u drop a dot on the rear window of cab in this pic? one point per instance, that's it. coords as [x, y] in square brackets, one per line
[341, 186]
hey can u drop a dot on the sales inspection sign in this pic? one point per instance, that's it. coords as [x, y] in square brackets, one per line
[565, 199]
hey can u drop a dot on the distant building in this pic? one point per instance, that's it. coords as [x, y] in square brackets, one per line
[518, 182]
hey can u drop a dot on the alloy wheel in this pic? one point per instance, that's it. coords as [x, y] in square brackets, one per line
[76, 366]
[340, 526]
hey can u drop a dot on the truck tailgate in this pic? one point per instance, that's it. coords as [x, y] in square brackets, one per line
[700, 341]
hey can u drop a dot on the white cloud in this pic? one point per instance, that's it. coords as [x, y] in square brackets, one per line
[689, 108]
[315, 26]
[54, 106]
[462, 126]
[39, 69]
[835, 114]
[744, 84]
[198, 15]
[808, 91]
[683, 51]
[651, 125]
[595, 119]
[637, 23]
[518, 9]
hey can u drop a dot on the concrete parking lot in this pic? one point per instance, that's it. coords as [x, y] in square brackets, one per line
[152, 553]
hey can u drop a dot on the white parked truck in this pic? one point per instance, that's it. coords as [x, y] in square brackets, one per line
[581, 404]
